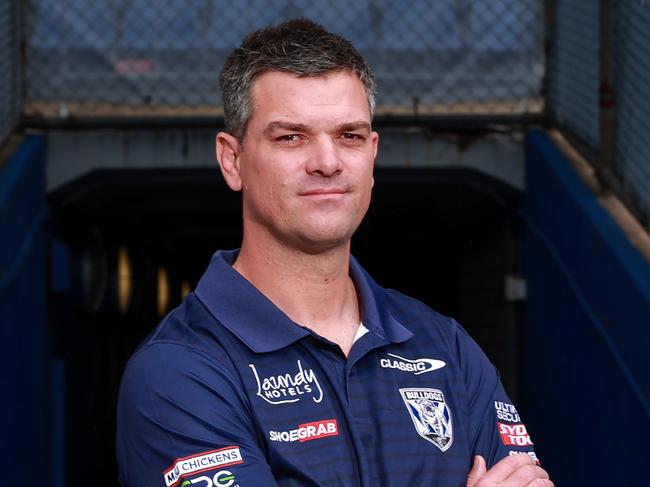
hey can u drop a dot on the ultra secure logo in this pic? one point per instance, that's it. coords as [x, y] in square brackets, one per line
[289, 387]
[416, 366]
[506, 412]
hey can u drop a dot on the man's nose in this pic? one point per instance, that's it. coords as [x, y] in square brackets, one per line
[324, 158]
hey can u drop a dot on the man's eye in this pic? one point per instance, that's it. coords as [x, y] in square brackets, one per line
[351, 137]
[289, 138]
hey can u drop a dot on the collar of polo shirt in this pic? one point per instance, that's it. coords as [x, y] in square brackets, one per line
[262, 326]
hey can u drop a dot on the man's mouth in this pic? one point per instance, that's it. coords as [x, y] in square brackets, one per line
[323, 192]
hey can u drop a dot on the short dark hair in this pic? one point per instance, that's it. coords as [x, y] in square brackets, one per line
[299, 47]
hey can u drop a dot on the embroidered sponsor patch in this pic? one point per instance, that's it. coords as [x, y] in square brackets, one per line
[288, 387]
[223, 478]
[506, 412]
[307, 431]
[430, 414]
[201, 462]
[514, 434]
[416, 366]
[531, 454]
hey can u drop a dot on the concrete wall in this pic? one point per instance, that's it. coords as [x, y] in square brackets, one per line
[73, 154]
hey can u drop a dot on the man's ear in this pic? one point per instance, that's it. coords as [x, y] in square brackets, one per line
[374, 138]
[228, 150]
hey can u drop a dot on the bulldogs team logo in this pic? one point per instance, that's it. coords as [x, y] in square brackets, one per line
[430, 415]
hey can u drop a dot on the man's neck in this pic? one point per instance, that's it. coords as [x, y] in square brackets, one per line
[314, 290]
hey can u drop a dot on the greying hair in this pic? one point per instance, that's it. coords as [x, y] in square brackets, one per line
[299, 47]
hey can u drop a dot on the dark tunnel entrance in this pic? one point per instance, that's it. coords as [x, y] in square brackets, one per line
[124, 238]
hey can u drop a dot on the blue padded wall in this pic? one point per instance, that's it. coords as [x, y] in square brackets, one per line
[586, 357]
[25, 406]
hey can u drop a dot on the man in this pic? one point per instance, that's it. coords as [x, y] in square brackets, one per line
[288, 365]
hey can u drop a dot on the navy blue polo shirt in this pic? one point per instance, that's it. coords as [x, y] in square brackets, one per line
[228, 391]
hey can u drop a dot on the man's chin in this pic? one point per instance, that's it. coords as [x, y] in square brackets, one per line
[323, 242]
[320, 247]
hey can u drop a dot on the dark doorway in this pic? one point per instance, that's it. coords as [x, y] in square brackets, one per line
[444, 236]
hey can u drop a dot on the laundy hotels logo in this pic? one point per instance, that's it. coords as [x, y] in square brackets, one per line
[430, 414]
[289, 387]
[201, 462]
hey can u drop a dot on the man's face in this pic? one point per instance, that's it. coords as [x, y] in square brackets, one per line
[306, 161]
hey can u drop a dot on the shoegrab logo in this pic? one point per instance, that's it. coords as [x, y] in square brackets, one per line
[287, 388]
[307, 431]
[201, 462]
[417, 366]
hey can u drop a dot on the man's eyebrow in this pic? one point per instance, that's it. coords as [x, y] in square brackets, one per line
[352, 126]
[301, 127]
[290, 126]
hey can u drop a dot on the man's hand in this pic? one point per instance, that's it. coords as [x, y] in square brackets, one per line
[513, 471]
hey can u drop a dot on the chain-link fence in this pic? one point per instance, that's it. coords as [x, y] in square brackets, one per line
[582, 86]
[130, 57]
[10, 103]
[632, 82]
[573, 68]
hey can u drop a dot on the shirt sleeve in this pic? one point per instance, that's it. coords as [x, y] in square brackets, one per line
[494, 425]
[183, 420]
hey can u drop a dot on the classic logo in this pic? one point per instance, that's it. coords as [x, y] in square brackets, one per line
[417, 366]
[307, 431]
[201, 462]
[286, 388]
[514, 434]
[430, 414]
[506, 412]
